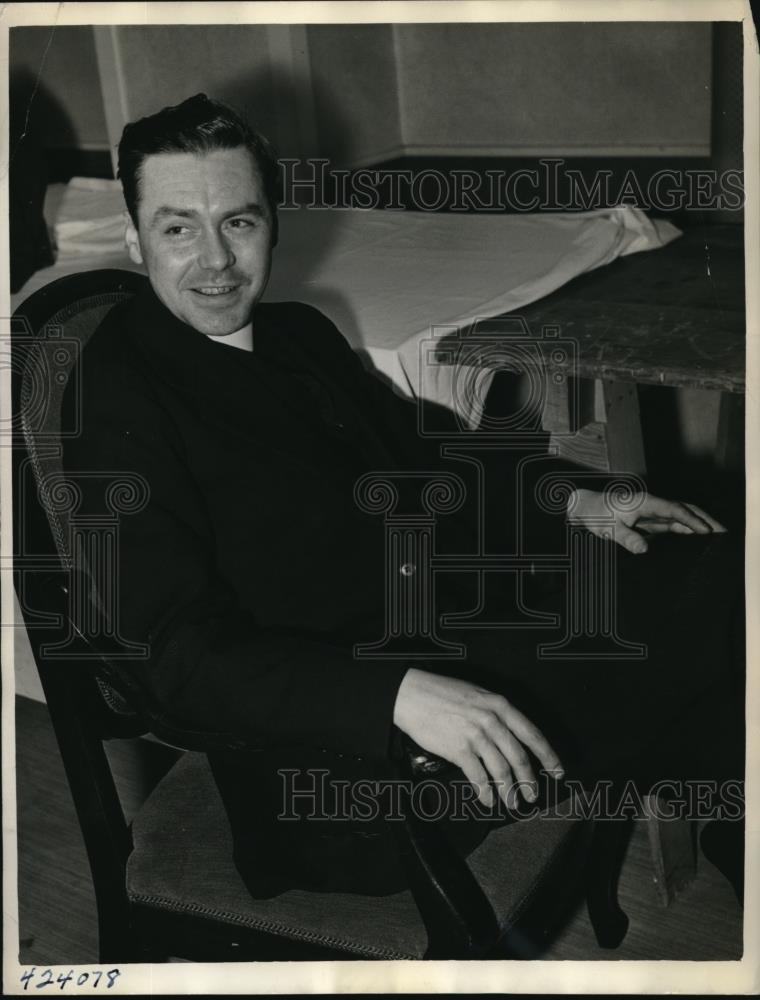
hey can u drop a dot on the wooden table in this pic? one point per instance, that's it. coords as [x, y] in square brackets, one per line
[672, 317]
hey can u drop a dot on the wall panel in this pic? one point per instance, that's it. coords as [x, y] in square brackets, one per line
[636, 88]
[355, 82]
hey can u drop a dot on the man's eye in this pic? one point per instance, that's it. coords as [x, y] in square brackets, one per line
[241, 223]
[176, 230]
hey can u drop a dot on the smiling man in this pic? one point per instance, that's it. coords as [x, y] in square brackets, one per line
[251, 573]
[204, 230]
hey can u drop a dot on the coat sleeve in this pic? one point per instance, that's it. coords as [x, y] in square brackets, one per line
[209, 666]
[414, 428]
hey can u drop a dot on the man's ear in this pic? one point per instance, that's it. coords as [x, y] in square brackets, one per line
[132, 239]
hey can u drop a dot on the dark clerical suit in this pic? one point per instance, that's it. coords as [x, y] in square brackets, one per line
[251, 570]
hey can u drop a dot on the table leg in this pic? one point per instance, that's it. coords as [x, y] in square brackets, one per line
[672, 848]
[599, 426]
[619, 408]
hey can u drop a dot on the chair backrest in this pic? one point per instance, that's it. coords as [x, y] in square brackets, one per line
[48, 332]
[56, 323]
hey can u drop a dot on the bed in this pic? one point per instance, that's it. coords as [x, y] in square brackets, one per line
[405, 286]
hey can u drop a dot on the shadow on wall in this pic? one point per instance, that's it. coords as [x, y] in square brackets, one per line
[31, 110]
[307, 233]
[36, 111]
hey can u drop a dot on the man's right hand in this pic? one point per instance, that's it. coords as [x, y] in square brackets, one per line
[479, 731]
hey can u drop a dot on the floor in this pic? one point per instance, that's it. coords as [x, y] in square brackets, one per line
[56, 904]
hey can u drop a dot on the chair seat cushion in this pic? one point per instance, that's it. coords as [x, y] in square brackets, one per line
[182, 862]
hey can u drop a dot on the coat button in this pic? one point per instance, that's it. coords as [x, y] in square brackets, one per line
[407, 569]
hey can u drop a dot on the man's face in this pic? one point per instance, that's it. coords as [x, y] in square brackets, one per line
[204, 234]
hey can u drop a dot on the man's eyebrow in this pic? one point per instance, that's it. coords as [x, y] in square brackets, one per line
[166, 211]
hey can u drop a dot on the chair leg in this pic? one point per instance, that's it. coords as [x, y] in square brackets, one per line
[120, 941]
[117, 946]
[608, 846]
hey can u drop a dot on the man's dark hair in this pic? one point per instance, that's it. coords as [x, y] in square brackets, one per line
[197, 125]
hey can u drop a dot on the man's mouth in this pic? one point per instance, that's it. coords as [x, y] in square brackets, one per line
[214, 290]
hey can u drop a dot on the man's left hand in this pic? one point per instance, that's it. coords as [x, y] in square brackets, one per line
[644, 514]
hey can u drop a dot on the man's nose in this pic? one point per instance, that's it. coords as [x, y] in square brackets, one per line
[216, 253]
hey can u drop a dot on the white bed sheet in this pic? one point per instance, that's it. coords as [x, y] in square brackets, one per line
[390, 280]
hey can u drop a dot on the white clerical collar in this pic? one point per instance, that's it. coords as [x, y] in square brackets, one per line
[242, 339]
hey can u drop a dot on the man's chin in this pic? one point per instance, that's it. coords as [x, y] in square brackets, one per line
[221, 324]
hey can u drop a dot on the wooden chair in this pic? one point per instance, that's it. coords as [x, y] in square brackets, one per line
[166, 885]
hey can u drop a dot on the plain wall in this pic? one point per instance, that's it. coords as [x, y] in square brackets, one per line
[619, 88]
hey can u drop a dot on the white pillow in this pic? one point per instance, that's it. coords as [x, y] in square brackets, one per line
[90, 218]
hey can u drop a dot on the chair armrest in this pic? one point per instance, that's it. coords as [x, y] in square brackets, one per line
[459, 919]
[457, 915]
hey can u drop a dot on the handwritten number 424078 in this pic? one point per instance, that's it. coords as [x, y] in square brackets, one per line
[46, 978]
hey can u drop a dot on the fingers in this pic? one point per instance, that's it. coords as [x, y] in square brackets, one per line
[514, 736]
[517, 769]
[678, 513]
[630, 539]
[532, 737]
[657, 526]
[715, 525]
[499, 753]
[475, 729]
[676, 520]
[500, 772]
[476, 774]
[504, 763]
